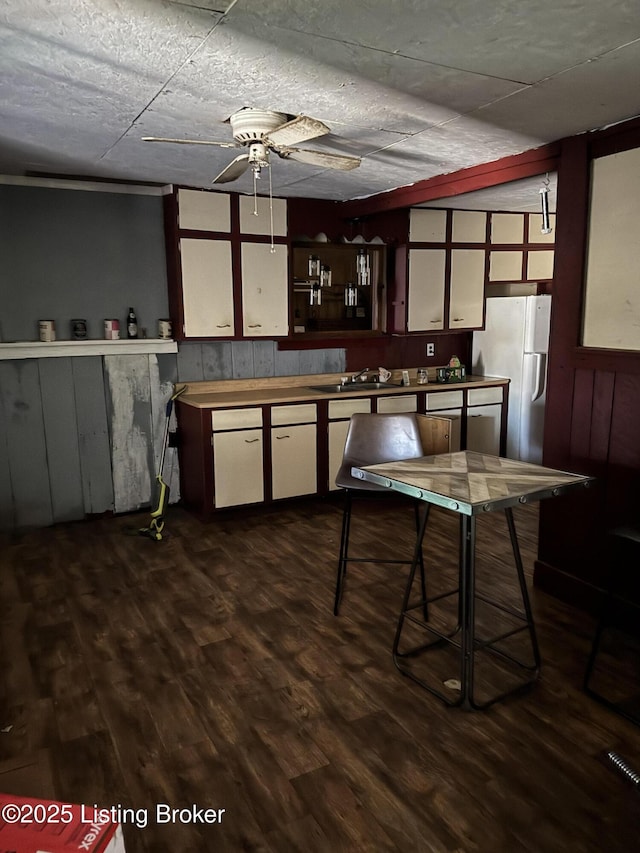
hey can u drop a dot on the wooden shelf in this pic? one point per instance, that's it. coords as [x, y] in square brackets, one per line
[59, 349]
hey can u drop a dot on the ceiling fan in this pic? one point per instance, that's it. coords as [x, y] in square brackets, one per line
[264, 131]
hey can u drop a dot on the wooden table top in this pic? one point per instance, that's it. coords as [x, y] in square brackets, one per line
[471, 483]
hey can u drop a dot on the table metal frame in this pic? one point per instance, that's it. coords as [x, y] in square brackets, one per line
[463, 636]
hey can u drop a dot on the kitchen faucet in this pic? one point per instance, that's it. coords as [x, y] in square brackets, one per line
[356, 376]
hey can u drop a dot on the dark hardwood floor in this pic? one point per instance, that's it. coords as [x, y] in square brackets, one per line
[209, 670]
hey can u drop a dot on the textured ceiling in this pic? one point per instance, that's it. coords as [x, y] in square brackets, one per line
[416, 88]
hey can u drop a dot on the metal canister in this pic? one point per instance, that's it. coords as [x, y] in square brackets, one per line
[47, 330]
[79, 329]
[164, 328]
[111, 330]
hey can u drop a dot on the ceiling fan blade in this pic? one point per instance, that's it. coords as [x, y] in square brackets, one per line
[320, 158]
[235, 168]
[190, 141]
[297, 130]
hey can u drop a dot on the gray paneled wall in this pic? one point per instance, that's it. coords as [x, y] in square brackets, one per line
[209, 361]
[83, 435]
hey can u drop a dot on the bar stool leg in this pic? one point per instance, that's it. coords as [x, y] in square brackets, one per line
[344, 547]
[423, 577]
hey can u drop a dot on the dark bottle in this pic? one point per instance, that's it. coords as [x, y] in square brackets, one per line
[132, 324]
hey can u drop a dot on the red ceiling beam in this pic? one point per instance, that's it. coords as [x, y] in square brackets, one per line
[525, 165]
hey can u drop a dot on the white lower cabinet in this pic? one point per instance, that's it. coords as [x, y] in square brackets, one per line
[338, 429]
[293, 461]
[238, 468]
[238, 457]
[483, 429]
[405, 403]
[294, 469]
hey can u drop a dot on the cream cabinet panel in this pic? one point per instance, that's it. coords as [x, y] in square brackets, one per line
[346, 408]
[293, 461]
[466, 306]
[235, 418]
[204, 211]
[507, 228]
[482, 396]
[535, 228]
[469, 226]
[540, 265]
[425, 311]
[265, 286]
[443, 400]
[505, 266]
[238, 469]
[261, 224]
[298, 414]
[405, 403]
[483, 429]
[207, 288]
[427, 226]
[337, 438]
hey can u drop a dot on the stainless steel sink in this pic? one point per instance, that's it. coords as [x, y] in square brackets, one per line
[354, 386]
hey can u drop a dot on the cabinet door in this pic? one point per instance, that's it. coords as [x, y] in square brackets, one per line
[425, 310]
[483, 429]
[265, 286]
[238, 468]
[207, 288]
[293, 461]
[466, 305]
[337, 438]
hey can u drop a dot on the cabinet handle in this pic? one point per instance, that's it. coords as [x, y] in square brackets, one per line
[254, 326]
[282, 436]
[458, 319]
[223, 326]
[251, 440]
[436, 321]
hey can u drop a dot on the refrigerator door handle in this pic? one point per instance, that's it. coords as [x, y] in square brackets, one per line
[539, 372]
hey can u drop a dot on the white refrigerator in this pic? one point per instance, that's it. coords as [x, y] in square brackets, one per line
[515, 343]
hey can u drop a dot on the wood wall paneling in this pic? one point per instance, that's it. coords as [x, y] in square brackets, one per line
[593, 401]
[129, 387]
[93, 434]
[61, 436]
[25, 443]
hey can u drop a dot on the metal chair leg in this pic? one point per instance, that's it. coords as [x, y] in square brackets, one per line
[344, 546]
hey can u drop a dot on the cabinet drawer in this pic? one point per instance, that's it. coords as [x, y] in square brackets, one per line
[235, 419]
[406, 403]
[482, 396]
[346, 408]
[443, 400]
[299, 414]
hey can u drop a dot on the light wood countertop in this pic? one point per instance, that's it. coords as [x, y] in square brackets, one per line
[291, 389]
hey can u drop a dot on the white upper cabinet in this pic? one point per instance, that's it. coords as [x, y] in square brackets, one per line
[507, 228]
[207, 288]
[425, 311]
[427, 226]
[204, 211]
[255, 216]
[469, 226]
[466, 302]
[265, 288]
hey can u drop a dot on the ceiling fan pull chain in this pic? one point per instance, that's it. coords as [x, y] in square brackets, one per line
[255, 192]
[273, 248]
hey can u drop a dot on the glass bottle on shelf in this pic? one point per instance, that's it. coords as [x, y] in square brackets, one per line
[314, 266]
[132, 324]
